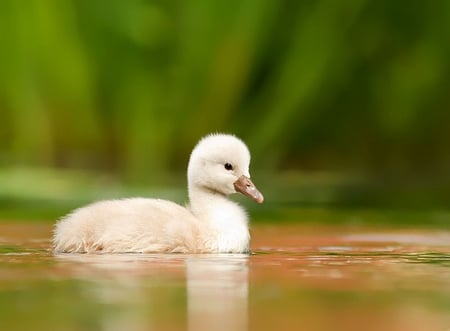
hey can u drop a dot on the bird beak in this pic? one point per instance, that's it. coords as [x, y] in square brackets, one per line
[245, 186]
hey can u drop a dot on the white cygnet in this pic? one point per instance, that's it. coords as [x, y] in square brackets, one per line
[210, 223]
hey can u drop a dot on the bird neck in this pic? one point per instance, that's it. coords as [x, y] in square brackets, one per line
[225, 219]
[215, 208]
[203, 201]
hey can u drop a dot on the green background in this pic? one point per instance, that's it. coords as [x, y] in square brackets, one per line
[341, 102]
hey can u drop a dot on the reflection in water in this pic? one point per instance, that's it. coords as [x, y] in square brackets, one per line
[127, 298]
[217, 293]
[135, 290]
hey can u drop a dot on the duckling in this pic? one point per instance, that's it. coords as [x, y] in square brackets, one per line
[210, 222]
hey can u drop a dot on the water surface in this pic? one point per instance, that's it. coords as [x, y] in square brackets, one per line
[298, 277]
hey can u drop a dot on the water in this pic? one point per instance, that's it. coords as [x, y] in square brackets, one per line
[299, 277]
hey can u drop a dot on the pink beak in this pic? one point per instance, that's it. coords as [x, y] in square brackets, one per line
[245, 186]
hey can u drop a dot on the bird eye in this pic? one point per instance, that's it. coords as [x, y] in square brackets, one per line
[228, 166]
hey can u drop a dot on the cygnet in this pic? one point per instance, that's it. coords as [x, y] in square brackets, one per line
[209, 223]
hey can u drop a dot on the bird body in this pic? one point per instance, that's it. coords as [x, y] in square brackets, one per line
[210, 223]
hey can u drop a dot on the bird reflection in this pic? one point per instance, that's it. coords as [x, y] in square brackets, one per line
[137, 289]
[217, 293]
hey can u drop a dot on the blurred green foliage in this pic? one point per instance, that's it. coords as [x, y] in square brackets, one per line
[128, 87]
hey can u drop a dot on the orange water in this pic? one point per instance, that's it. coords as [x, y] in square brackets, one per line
[299, 277]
